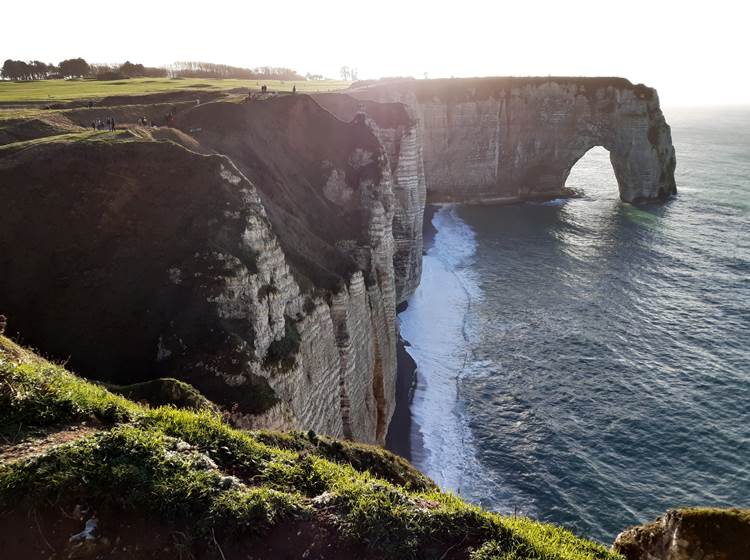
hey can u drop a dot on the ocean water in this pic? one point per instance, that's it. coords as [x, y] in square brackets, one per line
[586, 361]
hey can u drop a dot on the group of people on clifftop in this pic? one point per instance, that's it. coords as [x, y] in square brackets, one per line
[263, 91]
[99, 125]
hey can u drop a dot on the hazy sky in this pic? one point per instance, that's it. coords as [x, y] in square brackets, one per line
[692, 52]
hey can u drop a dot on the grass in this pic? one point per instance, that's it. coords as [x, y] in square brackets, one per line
[164, 391]
[137, 469]
[55, 91]
[83, 136]
[190, 467]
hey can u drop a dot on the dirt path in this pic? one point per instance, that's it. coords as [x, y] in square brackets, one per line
[39, 442]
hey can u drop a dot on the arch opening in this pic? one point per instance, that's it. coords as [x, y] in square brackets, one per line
[593, 174]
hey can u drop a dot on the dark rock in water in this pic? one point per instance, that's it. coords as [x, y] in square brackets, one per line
[689, 534]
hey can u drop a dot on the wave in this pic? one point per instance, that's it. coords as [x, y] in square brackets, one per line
[436, 326]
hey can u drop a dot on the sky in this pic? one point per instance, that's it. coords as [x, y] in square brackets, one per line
[694, 53]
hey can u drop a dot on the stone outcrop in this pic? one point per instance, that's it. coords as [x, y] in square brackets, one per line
[494, 140]
[689, 534]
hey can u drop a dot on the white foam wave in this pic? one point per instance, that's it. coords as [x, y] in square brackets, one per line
[435, 325]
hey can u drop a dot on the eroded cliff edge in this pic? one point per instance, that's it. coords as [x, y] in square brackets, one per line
[494, 140]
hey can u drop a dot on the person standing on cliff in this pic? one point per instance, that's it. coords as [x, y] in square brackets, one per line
[294, 89]
[3, 323]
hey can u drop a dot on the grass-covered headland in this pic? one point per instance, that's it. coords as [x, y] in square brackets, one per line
[179, 483]
[52, 91]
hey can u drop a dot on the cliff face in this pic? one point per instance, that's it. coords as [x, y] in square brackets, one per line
[689, 534]
[277, 302]
[491, 140]
[327, 187]
[400, 136]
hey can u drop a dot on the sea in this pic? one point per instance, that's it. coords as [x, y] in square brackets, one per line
[585, 361]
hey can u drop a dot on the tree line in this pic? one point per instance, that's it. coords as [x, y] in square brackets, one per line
[79, 68]
[38, 70]
[75, 68]
[193, 69]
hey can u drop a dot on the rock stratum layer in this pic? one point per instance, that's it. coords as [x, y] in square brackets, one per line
[257, 248]
[494, 140]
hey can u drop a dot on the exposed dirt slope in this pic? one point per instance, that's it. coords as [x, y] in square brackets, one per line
[43, 441]
[20, 130]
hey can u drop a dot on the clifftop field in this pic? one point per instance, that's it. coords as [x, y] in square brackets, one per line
[55, 91]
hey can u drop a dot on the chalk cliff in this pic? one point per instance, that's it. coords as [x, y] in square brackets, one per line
[266, 281]
[488, 140]
[327, 187]
[399, 134]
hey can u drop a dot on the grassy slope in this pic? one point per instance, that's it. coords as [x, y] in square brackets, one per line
[70, 90]
[191, 467]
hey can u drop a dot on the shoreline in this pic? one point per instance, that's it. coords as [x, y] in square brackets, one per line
[404, 437]
[566, 192]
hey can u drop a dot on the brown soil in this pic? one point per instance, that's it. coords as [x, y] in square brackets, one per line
[122, 535]
[30, 443]
[36, 534]
[128, 115]
[20, 130]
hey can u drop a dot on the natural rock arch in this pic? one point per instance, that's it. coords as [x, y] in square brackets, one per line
[491, 140]
[591, 167]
